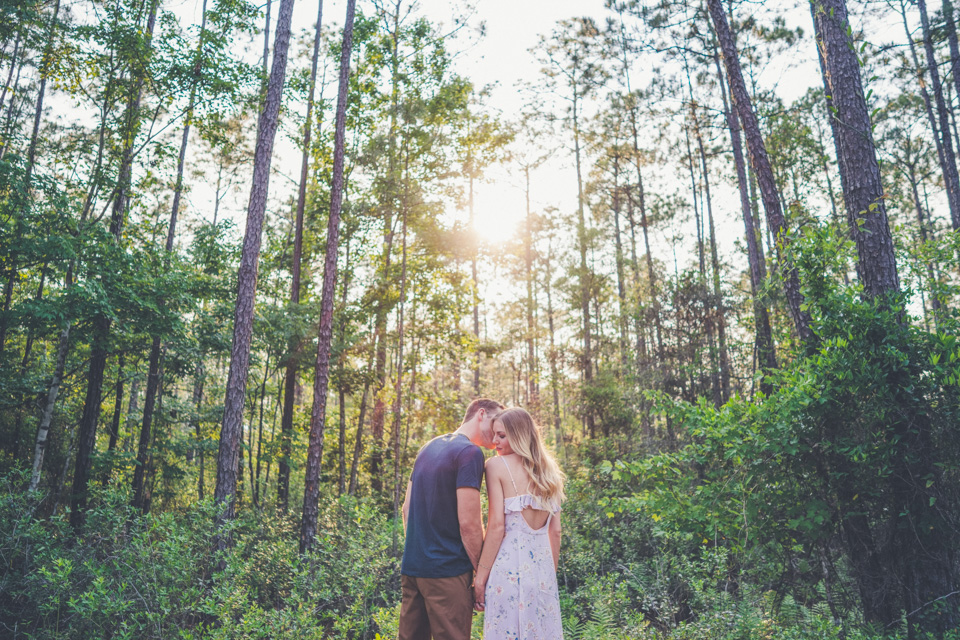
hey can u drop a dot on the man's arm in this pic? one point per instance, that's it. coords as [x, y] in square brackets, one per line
[470, 515]
[406, 506]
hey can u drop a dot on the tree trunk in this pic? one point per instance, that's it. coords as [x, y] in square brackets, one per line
[719, 307]
[553, 358]
[149, 404]
[197, 406]
[293, 347]
[645, 225]
[14, 62]
[311, 492]
[641, 197]
[532, 369]
[476, 301]
[31, 157]
[761, 164]
[358, 442]
[584, 279]
[229, 451]
[9, 118]
[341, 369]
[766, 351]
[153, 368]
[935, 303]
[863, 191]
[380, 330]
[951, 28]
[87, 429]
[24, 363]
[255, 472]
[927, 103]
[398, 388]
[698, 210]
[44, 72]
[949, 160]
[621, 288]
[342, 441]
[117, 415]
[53, 391]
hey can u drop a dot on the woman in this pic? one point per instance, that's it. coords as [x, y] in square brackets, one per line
[516, 581]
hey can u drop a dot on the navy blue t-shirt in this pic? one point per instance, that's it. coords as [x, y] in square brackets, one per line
[433, 547]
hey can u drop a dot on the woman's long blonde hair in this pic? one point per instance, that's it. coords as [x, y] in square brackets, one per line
[525, 440]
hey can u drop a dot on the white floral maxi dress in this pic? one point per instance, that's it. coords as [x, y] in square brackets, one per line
[522, 602]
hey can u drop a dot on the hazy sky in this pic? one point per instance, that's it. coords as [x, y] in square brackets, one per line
[502, 58]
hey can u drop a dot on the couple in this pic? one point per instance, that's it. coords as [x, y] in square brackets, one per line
[516, 563]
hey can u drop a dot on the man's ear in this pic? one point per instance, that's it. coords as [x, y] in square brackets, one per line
[480, 414]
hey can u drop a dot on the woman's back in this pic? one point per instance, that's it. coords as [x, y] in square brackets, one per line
[515, 487]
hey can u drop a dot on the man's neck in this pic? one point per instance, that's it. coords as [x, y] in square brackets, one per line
[468, 430]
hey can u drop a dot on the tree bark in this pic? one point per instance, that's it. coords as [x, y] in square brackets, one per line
[293, 347]
[13, 258]
[341, 374]
[153, 369]
[766, 351]
[398, 388]
[761, 164]
[719, 306]
[951, 28]
[14, 61]
[621, 288]
[143, 442]
[311, 492]
[53, 391]
[41, 92]
[949, 159]
[935, 303]
[117, 415]
[197, 406]
[378, 418]
[927, 103]
[229, 451]
[553, 357]
[255, 472]
[584, 279]
[645, 225]
[863, 190]
[9, 117]
[87, 430]
[476, 300]
[358, 441]
[533, 382]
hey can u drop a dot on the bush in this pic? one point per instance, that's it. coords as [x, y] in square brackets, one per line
[153, 576]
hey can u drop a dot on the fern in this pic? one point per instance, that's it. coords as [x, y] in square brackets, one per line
[573, 627]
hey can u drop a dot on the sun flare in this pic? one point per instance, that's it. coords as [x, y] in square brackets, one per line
[497, 212]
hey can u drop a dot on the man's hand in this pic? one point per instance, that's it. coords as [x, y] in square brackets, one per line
[470, 515]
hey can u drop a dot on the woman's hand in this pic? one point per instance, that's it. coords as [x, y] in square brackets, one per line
[479, 586]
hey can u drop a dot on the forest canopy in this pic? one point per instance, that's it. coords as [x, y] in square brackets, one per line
[250, 261]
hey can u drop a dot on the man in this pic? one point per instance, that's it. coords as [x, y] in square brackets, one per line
[444, 524]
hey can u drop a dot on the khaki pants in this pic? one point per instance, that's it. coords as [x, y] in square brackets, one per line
[441, 608]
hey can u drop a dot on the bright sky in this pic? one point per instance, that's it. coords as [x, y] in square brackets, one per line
[502, 58]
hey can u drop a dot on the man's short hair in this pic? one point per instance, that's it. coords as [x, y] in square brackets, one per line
[488, 405]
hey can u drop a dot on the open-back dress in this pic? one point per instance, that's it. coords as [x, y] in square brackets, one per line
[522, 602]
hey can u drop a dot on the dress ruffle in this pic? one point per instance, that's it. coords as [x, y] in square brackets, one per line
[524, 500]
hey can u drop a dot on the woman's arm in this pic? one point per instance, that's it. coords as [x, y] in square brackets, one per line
[494, 536]
[554, 533]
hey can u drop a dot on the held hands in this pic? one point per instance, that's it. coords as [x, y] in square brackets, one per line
[479, 586]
